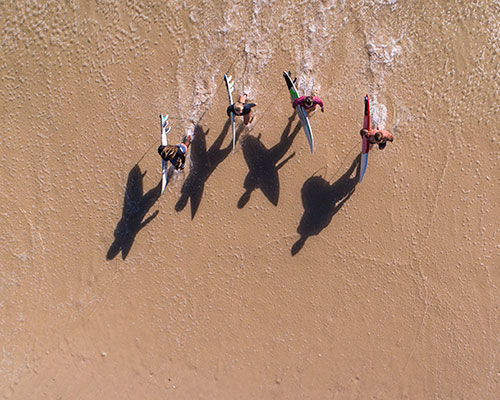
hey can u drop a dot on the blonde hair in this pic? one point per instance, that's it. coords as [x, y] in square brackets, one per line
[169, 152]
[238, 108]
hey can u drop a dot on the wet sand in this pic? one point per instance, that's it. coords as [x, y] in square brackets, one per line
[267, 273]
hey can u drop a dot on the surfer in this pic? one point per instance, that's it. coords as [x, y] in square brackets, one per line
[377, 136]
[176, 154]
[241, 108]
[308, 103]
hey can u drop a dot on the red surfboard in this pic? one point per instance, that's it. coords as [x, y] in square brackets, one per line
[365, 144]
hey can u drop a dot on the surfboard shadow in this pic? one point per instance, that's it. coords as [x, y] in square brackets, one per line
[322, 200]
[263, 164]
[204, 164]
[135, 207]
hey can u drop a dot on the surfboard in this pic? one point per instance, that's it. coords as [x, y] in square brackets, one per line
[230, 87]
[365, 144]
[300, 111]
[165, 128]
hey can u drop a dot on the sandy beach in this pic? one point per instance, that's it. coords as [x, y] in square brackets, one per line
[268, 272]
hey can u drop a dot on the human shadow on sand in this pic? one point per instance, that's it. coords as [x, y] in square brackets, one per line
[135, 207]
[263, 163]
[204, 163]
[322, 200]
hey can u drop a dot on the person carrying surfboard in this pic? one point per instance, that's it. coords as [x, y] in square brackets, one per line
[241, 108]
[308, 103]
[176, 154]
[377, 136]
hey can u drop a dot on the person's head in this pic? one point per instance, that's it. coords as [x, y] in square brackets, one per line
[308, 101]
[167, 152]
[238, 108]
[379, 136]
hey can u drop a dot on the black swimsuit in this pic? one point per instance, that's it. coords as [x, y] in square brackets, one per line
[247, 107]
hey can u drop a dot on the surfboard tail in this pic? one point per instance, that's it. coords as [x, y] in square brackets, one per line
[228, 79]
[365, 145]
[165, 128]
[366, 119]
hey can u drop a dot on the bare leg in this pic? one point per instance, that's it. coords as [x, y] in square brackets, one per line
[310, 111]
[247, 118]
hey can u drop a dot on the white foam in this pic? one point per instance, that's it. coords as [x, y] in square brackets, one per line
[378, 114]
[319, 26]
[383, 53]
[247, 49]
[376, 3]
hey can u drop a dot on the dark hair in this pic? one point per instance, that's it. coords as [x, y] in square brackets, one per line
[379, 136]
[308, 101]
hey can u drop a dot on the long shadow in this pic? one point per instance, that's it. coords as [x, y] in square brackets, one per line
[135, 207]
[204, 164]
[263, 163]
[322, 201]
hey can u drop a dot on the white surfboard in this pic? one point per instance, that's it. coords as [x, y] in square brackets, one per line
[165, 128]
[230, 88]
[306, 125]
